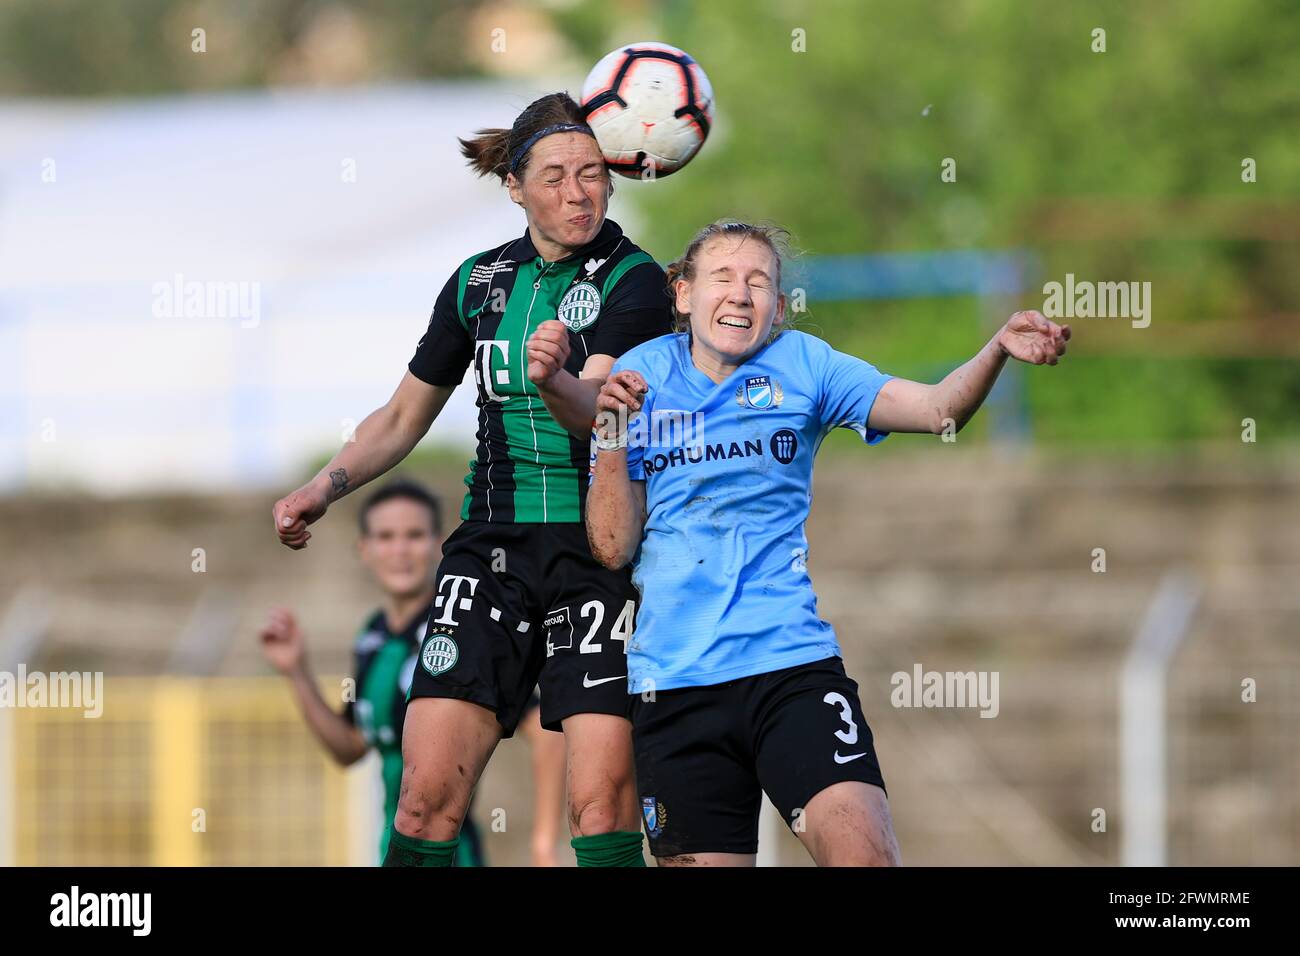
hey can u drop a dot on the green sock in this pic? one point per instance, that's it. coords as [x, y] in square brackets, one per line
[620, 848]
[468, 855]
[404, 850]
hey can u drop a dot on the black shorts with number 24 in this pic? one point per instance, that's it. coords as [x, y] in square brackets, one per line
[706, 755]
[522, 606]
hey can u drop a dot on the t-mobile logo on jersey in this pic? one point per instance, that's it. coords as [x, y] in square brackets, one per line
[449, 598]
[484, 377]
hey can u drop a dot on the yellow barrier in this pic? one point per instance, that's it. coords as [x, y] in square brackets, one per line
[181, 772]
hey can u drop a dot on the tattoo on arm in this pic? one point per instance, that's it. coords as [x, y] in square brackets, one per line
[338, 481]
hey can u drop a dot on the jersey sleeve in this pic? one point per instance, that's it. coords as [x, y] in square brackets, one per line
[635, 311]
[849, 387]
[445, 350]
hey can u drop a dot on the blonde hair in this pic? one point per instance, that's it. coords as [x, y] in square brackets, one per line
[774, 237]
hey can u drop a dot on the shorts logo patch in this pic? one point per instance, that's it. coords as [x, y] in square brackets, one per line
[655, 816]
[439, 654]
[559, 631]
[580, 307]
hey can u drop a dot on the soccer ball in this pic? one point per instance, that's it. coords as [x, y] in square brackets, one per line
[650, 106]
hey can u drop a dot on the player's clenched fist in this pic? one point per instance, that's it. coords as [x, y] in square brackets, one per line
[622, 393]
[619, 398]
[282, 642]
[548, 350]
[295, 511]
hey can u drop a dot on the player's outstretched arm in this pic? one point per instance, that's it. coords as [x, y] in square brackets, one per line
[383, 439]
[570, 400]
[285, 649]
[615, 503]
[907, 406]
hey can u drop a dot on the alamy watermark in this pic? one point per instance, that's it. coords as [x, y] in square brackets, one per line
[922, 688]
[662, 428]
[75, 908]
[1100, 300]
[73, 689]
[191, 299]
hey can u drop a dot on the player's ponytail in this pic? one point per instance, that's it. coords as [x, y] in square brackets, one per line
[487, 152]
[774, 237]
[499, 152]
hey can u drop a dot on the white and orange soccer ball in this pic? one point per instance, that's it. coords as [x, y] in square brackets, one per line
[651, 108]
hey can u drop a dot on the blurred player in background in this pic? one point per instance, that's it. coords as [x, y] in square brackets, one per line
[401, 536]
[521, 602]
[739, 686]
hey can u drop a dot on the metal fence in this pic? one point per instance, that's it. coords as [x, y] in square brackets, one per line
[180, 772]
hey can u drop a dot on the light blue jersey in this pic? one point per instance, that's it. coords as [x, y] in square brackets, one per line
[725, 591]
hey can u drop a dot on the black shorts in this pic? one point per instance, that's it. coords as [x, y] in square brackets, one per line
[706, 755]
[521, 606]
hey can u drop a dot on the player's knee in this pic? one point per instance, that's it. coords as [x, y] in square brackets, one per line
[429, 813]
[592, 814]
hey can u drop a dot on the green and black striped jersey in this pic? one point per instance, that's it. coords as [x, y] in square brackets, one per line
[610, 294]
[384, 663]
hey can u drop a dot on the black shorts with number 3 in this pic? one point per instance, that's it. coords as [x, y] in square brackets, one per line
[706, 755]
[522, 606]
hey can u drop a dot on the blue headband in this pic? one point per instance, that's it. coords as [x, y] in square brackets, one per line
[522, 151]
